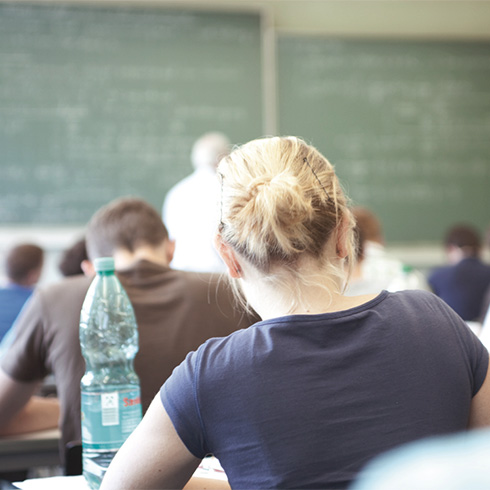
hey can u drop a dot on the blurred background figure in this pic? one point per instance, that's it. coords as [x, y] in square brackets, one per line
[358, 284]
[191, 208]
[75, 260]
[485, 317]
[377, 269]
[176, 312]
[451, 462]
[23, 268]
[462, 283]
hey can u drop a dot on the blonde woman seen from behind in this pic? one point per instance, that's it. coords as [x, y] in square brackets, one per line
[325, 382]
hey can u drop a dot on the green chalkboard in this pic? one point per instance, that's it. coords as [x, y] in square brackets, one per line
[406, 124]
[99, 102]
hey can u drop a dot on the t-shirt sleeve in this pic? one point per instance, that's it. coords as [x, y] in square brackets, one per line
[478, 360]
[24, 359]
[179, 397]
[475, 352]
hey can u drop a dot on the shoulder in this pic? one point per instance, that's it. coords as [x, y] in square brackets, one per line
[217, 293]
[213, 285]
[197, 282]
[14, 293]
[63, 296]
[416, 303]
[440, 272]
[69, 287]
[411, 297]
[238, 347]
[483, 266]
[57, 300]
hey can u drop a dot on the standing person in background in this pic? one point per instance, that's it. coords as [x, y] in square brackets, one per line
[462, 283]
[379, 269]
[176, 311]
[325, 382]
[23, 268]
[190, 209]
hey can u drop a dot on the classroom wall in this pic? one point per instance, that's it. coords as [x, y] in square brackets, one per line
[397, 19]
[421, 19]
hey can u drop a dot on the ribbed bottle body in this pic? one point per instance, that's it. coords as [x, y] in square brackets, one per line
[110, 390]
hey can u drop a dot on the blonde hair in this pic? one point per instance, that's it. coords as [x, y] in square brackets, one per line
[281, 201]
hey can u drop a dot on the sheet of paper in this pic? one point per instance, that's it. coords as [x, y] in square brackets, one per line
[54, 483]
[209, 468]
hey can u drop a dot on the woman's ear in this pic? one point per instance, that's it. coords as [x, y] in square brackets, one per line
[229, 257]
[88, 268]
[342, 249]
[169, 250]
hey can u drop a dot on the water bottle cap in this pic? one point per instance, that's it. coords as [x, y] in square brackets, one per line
[104, 264]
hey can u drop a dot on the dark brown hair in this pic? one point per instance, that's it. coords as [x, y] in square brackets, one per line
[368, 223]
[22, 260]
[465, 237]
[72, 258]
[125, 223]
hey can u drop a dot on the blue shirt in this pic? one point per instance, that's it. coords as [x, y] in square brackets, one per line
[304, 401]
[12, 299]
[462, 286]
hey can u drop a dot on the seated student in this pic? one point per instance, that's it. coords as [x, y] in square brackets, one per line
[176, 311]
[74, 260]
[325, 382]
[359, 283]
[379, 269]
[23, 267]
[463, 283]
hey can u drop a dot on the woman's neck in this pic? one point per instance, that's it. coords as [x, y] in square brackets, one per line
[281, 293]
[125, 259]
[312, 288]
[271, 302]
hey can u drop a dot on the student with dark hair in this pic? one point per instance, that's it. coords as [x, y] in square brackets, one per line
[325, 382]
[23, 267]
[359, 283]
[463, 282]
[75, 260]
[176, 311]
[379, 270]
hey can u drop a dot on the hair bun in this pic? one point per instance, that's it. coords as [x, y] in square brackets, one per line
[281, 212]
[273, 201]
[281, 195]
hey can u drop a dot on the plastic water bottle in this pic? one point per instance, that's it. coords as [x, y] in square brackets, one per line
[110, 390]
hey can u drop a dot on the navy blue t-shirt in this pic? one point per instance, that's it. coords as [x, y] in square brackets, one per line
[304, 401]
[463, 286]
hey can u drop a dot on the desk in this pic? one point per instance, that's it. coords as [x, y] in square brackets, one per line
[28, 450]
[209, 469]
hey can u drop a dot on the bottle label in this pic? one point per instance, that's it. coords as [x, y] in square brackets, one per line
[109, 418]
